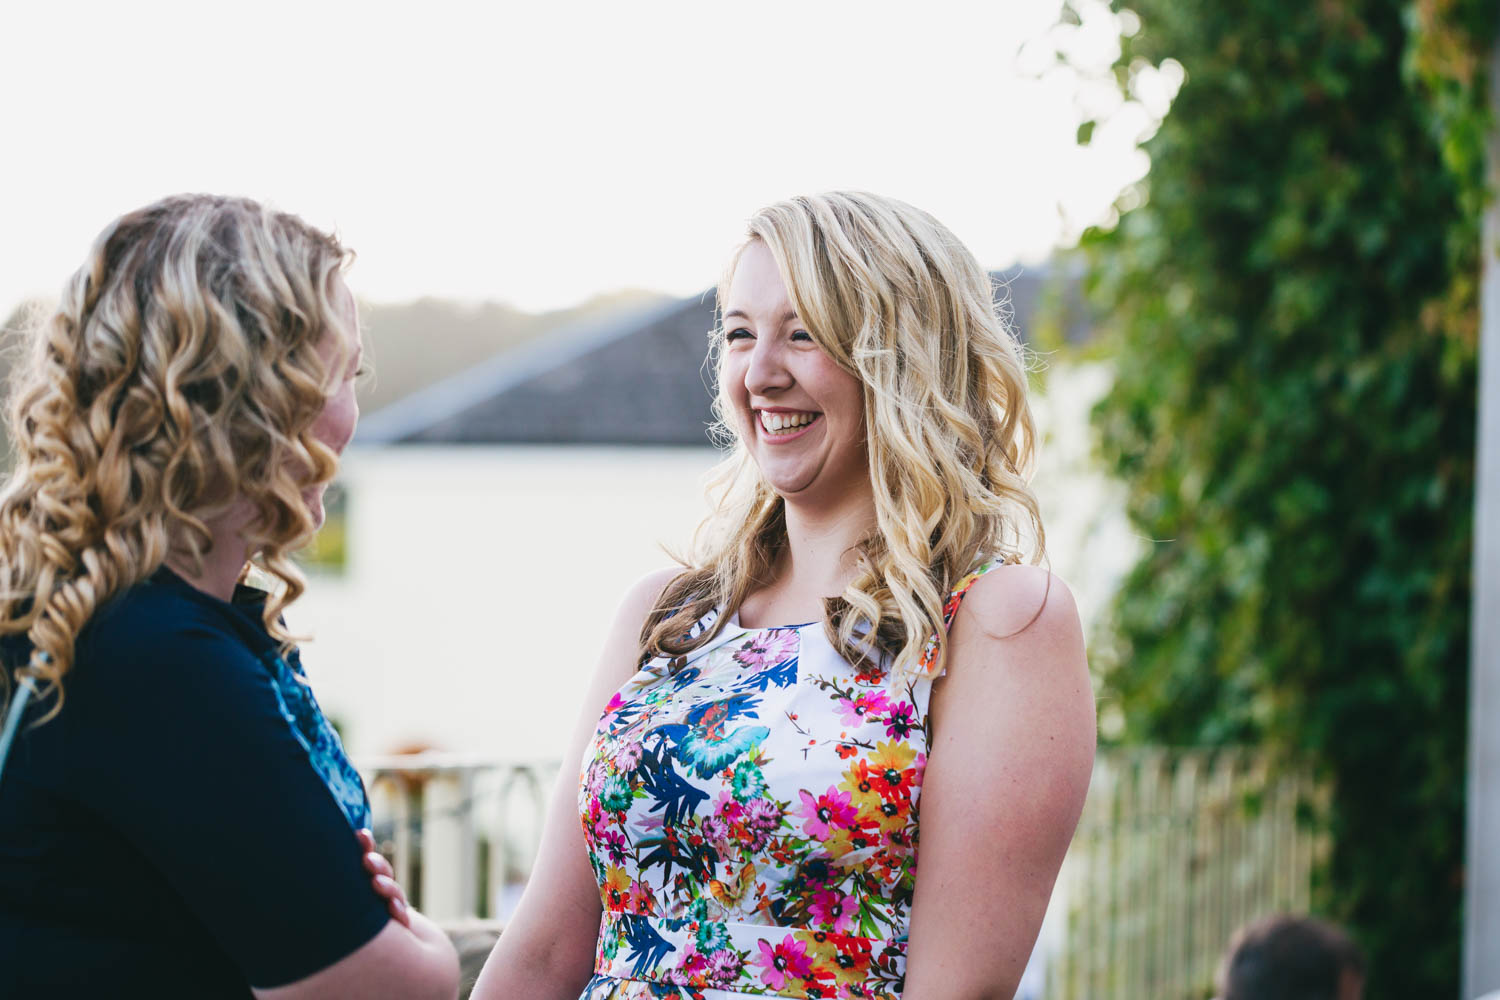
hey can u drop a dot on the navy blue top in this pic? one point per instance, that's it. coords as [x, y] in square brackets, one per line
[185, 827]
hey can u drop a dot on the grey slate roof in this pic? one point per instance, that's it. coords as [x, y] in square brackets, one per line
[638, 379]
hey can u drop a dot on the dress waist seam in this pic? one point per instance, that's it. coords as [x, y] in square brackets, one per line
[756, 959]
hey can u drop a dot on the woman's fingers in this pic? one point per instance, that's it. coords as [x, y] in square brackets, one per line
[395, 898]
[376, 864]
[399, 912]
[383, 878]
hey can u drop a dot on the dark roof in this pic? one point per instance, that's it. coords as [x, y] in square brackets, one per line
[639, 379]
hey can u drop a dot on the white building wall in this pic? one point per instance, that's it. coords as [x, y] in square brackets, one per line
[480, 585]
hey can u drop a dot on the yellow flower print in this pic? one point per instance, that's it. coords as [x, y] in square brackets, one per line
[615, 889]
[859, 783]
[890, 754]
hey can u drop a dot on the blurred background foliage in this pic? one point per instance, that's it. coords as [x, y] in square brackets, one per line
[1293, 311]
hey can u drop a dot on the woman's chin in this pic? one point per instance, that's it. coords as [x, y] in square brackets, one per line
[815, 483]
[791, 484]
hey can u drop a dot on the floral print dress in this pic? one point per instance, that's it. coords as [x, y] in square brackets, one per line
[751, 817]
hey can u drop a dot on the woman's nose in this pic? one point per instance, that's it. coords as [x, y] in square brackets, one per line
[767, 371]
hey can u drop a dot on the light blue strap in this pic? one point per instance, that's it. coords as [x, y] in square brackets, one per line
[24, 689]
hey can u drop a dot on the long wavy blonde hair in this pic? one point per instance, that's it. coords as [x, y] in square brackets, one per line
[897, 301]
[179, 373]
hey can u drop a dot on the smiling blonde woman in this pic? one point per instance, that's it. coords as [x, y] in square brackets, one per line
[859, 667]
[177, 817]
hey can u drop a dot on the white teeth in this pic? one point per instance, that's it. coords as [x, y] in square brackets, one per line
[778, 422]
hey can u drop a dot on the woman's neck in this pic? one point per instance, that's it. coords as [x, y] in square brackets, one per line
[224, 562]
[820, 545]
[818, 561]
[219, 577]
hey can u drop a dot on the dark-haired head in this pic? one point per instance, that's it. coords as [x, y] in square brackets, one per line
[1292, 958]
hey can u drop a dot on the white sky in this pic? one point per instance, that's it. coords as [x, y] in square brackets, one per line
[540, 153]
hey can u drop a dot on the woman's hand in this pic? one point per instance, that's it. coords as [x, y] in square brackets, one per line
[383, 879]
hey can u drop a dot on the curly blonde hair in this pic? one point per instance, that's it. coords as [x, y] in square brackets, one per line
[179, 373]
[897, 301]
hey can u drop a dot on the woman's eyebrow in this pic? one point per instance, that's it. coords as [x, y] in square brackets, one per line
[786, 318]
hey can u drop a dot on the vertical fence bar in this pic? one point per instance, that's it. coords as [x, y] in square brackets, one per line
[443, 821]
[408, 803]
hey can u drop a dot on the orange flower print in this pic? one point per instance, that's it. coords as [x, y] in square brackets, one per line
[616, 889]
[892, 773]
[859, 782]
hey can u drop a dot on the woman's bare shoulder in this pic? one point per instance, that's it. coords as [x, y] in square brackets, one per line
[621, 655]
[1020, 601]
[642, 596]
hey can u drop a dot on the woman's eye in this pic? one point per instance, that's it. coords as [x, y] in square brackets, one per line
[738, 333]
[802, 335]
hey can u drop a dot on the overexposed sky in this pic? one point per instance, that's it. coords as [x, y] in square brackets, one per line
[539, 153]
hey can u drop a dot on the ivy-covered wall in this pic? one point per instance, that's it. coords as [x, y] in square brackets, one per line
[1293, 312]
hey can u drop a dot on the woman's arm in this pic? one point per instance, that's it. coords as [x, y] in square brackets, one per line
[547, 950]
[1013, 748]
[413, 961]
[187, 754]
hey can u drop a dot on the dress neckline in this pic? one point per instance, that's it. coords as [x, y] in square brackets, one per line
[734, 622]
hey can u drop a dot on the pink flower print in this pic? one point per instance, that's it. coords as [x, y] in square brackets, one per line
[762, 817]
[627, 756]
[901, 720]
[787, 959]
[595, 780]
[828, 811]
[691, 965]
[714, 829]
[833, 910]
[728, 808]
[603, 821]
[768, 648]
[867, 706]
[723, 967]
[612, 844]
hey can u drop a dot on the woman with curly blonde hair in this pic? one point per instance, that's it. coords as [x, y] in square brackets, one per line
[861, 658]
[177, 817]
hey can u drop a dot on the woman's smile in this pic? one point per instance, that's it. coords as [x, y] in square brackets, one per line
[779, 426]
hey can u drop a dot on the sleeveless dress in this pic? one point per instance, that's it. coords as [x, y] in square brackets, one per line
[751, 817]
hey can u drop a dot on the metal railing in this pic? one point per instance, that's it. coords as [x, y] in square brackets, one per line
[461, 831]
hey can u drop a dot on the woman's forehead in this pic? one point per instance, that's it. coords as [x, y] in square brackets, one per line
[756, 289]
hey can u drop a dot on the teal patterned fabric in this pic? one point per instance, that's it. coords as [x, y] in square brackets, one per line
[311, 727]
